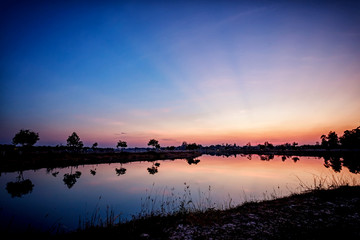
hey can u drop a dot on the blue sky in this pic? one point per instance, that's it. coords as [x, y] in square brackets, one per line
[209, 72]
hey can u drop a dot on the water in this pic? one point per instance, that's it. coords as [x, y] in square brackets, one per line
[214, 181]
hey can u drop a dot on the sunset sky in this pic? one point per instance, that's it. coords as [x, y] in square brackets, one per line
[209, 72]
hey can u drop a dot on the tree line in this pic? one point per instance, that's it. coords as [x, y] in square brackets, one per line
[27, 138]
[349, 140]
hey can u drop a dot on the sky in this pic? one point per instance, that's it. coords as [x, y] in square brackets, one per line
[209, 72]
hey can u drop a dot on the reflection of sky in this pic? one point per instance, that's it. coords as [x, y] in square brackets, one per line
[238, 179]
[211, 73]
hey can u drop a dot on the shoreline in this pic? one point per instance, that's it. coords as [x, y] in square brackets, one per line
[32, 159]
[36, 160]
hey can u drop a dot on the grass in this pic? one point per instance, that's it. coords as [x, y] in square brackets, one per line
[328, 182]
[97, 220]
[165, 202]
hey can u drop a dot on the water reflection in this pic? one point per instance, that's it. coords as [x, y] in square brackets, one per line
[352, 163]
[266, 157]
[71, 178]
[93, 172]
[192, 161]
[120, 171]
[336, 163]
[153, 169]
[20, 187]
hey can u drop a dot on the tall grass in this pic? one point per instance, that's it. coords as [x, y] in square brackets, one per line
[166, 201]
[328, 182]
[97, 220]
[162, 202]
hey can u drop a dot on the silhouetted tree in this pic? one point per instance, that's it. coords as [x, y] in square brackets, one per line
[121, 144]
[324, 142]
[331, 140]
[154, 143]
[94, 145]
[192, 146]
[351, 139]
[268, 145]
[26, 138]
[73, 141]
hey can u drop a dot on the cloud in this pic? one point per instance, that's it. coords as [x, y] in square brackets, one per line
[122, 133]
[168, 139]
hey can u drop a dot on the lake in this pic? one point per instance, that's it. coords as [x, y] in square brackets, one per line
[64, 198]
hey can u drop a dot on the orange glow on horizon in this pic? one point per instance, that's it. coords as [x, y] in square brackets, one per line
[240, 138]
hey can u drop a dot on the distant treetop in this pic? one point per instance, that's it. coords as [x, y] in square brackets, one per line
[26, 138]
[73, 141]
[154, 143]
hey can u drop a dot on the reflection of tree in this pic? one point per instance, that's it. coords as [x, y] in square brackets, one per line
[20, 187]
[352, 162]
[51, 170]
[152, 170]
[295, 159]
[120, 171]
[334, 162]
[71, 178]
[93, 172]
[192, 161]
[266, 157]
